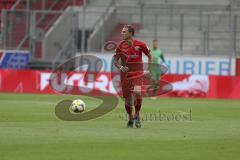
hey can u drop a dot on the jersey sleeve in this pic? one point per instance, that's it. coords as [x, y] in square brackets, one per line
[117, 50]
[145, 49]
[161, 56]
[117, 53]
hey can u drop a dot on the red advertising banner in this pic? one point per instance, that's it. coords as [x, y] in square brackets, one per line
[29, 81]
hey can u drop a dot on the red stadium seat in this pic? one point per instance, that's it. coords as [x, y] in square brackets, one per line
[50, 19]
[43, 25]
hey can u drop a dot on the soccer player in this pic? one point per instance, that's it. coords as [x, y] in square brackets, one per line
[129, 53]
[155, 70]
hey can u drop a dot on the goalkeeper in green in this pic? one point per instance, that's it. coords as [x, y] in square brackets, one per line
[155, 71]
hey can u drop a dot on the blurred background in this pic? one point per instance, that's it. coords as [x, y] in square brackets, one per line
[199, 119]
[196, 37]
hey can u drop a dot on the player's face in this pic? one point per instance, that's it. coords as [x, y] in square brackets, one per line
[155, 44]
[126, 34]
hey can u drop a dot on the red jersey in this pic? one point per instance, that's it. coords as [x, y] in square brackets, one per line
[131, 57]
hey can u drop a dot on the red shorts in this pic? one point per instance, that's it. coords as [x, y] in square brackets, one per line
[128, 86]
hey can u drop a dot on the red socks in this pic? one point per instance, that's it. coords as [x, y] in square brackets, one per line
[129, 111]
[138, 105]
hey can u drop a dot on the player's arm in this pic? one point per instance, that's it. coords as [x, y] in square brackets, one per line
[150, 61]
[116, 58]
[162, 58]
[146, 51]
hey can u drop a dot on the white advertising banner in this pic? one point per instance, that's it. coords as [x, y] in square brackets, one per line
[194, 65]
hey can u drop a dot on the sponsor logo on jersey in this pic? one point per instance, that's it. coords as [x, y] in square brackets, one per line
[137, 48]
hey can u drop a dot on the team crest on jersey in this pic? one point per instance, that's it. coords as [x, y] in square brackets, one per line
[137, 48]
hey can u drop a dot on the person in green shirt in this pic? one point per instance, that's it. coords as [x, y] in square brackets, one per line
[155, 71]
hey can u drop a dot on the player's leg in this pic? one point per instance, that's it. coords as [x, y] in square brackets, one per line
[155, 76]
[129, 101]
[138, 105]
[129, 108]
[137, 101]
[156, 84]
[127, 95]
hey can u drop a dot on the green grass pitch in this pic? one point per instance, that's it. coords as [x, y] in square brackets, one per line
[29, 130]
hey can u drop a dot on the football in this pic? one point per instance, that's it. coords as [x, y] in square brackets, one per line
[77, 106]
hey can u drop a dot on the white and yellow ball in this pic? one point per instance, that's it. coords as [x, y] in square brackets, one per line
[78, 106]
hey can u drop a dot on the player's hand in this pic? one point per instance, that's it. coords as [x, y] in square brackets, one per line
[124, 69]
[146, 73]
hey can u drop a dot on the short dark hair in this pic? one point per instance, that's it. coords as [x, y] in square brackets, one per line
[155, 40]
[130, 29]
